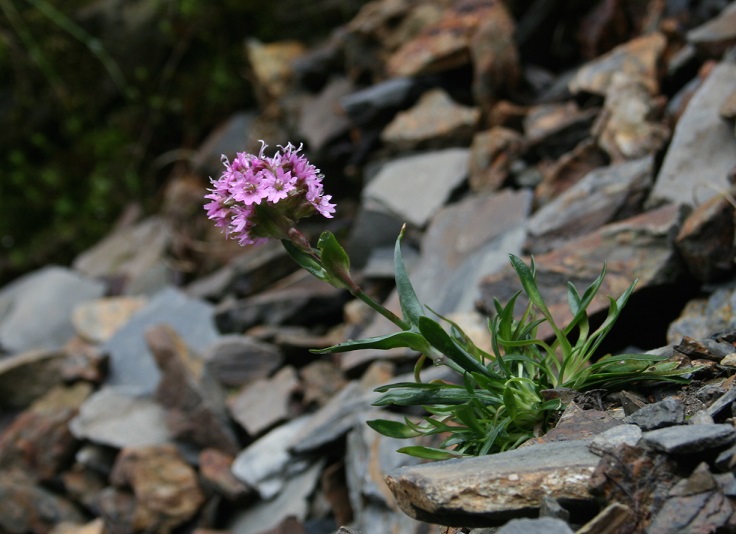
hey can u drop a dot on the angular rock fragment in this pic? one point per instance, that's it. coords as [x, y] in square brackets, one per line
[194, 401]
[491, 489]
[491, 155]
[235, 360]
[681, 439]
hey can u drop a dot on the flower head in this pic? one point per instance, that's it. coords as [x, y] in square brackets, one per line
[259, 197]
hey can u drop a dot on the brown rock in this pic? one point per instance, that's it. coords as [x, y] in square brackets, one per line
[262, 404]
[271, 69]
[728, 108]
[553, 129]
[39, 440]
[96, 526]
[444, 45]
[215, 470]
[321, 380]
[491, 155]
[626, 129]
[26, 507]
[435, 121]
[560, 175]
[638, 58]
[194, 402]
[577, 423]
[706, 239]
[165, 486]
[27, 376]
[97, 320]
[496, 66]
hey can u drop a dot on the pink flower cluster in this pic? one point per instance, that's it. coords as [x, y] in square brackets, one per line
[260, 197]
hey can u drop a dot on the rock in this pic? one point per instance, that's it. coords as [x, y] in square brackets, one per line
[96, 526]
[291, 502]
[543, 525]
[577, 424]
[703, 149]
[164, 485]
[714, 37]
[38, 441]
[282, 303]
[226, 139]
[563, 173]
[369, 457]
[127, 255]
[118, 417]
[321, 380]
[694, 506]
[443, 45]
[245, 274]
[194, 401]
[626, 128]
[428, 179]
[378, 102]
[604, 195]
[638, 58]
[614, 437]
[435, 121]
[667, 412]
[131, 363]
[491, 156]
[495, 58]
[216, 473]
[97, 320]
[27, 376]
[706, 240]
[26, 507]
[270, 65]
[265, 402]
[489, 490]
[556, 128]
[612, 519]
[266, 464]
[322, 119]
[682, 440]
[333, 420]
[701, 317]
[34, 309]
[235, 360]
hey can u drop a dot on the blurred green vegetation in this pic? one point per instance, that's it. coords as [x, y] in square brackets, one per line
[92, 92]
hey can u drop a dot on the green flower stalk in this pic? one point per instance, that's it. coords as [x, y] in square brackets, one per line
[497, 401]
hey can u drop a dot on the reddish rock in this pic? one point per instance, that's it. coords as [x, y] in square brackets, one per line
[491, 155]
[444, 45]
[39, 440]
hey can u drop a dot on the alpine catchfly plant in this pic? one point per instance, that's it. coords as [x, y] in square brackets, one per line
[499, 399]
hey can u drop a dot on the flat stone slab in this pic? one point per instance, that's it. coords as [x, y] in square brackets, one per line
[684, 439]
[703, 148]
[490, 490]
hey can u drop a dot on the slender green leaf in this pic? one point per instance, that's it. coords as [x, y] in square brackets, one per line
[406, 338]
[442, 341]
[411, 308]
[393, 429]
[305, 261]
[429, 453]
[335, 260]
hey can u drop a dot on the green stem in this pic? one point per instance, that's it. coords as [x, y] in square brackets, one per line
[358, 293]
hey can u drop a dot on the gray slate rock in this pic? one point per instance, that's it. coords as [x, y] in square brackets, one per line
[27, 376]
[235, 360]
[703, 149]
[683, 439]
[35, 310]
[542, 525]
[607, 441]
[492, 489]
[667, 412]
[118, 417]
[427, 179]
[602, 196]
[131, 362]
[379, 100]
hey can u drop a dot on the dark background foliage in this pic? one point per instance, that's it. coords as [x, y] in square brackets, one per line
[99, 98]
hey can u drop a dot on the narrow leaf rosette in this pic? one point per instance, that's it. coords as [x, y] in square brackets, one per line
[259, 197]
